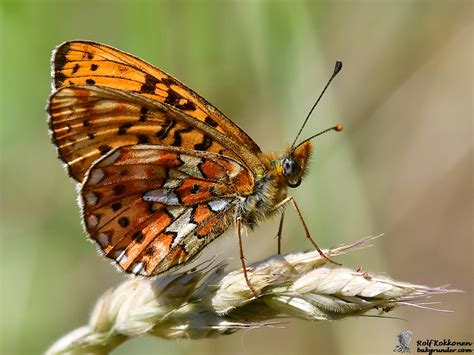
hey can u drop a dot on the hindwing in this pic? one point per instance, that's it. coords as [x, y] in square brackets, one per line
[151, 208]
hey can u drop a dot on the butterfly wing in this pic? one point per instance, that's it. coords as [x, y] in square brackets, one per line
[151, 208]
[87, 122]
[162, 170]
[89, 63]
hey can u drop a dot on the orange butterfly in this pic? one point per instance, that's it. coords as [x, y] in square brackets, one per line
[161, 172]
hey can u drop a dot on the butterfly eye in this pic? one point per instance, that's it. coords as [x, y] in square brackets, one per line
[291, 171]
[290, 168]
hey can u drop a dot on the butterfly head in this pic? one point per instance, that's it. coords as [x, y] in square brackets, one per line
[294, 164]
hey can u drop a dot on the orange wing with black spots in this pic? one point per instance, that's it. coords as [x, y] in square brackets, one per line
[79, 63]
[151, 208]
[162, 171]
[86, 122]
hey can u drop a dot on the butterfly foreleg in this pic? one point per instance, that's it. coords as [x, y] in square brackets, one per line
[290, 199]
[242, 257]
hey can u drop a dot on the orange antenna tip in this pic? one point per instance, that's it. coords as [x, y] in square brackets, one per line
[337, 128]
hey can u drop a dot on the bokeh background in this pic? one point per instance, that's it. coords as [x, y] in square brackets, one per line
[402, 167]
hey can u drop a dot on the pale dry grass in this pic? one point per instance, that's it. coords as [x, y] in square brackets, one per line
[208, 301]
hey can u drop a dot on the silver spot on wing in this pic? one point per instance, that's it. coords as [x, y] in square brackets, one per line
[218, 205]
[164, 196]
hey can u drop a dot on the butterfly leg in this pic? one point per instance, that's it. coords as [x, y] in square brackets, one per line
[306, 230]
[242, 257]
[280, 229]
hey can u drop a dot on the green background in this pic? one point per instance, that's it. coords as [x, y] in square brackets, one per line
[402, 167]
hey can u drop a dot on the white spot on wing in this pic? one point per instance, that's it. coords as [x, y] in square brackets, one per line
[137, 268]
[91, 199]
[172, 183]
[164, 196]
[105, 105]
[176, 211]
[96, 176]
[182, 226]
[190, 165]
[92, 221]
[110, 159]
[161, 249]
[236, 169]
[175, 174]
[218, 205]
[103, 240]
[120, 256]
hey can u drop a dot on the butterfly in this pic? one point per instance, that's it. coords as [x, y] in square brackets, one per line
[161, 172]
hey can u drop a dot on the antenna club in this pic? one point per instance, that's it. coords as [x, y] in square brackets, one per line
[339, 127]
[337, 67]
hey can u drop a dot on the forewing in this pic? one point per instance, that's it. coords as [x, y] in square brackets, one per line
[86, 122]
[151, 208]
[90, 63]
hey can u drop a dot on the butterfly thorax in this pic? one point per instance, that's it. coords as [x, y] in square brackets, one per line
[259, 205]
[282, 171]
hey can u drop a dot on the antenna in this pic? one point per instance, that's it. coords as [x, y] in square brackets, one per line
[337, 128]
[337, 69]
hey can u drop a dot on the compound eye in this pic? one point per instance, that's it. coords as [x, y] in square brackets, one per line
[290, 168]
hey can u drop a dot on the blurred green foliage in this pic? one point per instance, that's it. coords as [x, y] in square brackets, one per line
[402, 166]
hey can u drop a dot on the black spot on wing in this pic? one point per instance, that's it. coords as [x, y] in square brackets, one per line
[205, 144]
[104, 149]
[119, 189]
[123, 222]
[178, 141]
[116, 206]
[150, 251]
[163, 132]
[123, 128]
[138, 237]
[168, 81]
[188, 106]
[60, 59]
[143, 113]
[148, 87]
[143, 139]
[173, 98]
[210, 121]
[59, 78]
[76, 68]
